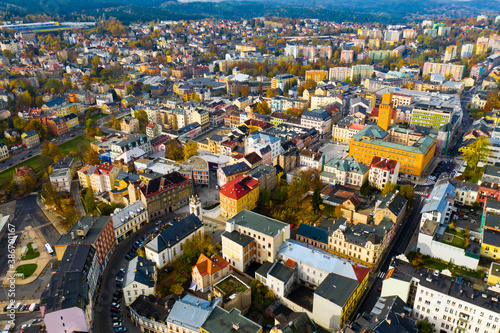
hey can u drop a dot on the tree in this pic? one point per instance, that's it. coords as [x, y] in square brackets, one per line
[262, 108]
[173, 150]
[142, 116]
[177, 289]
[264, 197]
[337, 212]
[316, 199]
[424, 326]
[51, 196]
[37, 126]
[245, 90]
[90, 156]
[408, 192]
[270, 93]
[115, 123]
[195, 246]
[89, 201]
[20, 123]
[389, 188]
[477, 151]
[51, 150]
[190, 149]
[365, 188]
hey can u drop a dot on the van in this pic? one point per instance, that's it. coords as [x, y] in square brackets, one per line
[32, 307]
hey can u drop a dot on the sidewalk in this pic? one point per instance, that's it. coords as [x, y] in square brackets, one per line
[29, 235]
[56, 221]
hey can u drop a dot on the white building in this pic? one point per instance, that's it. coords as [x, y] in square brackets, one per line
[319, 120]
[339, 73]
[467, 51]
[129, 219]
[449, 306]
[312, 159]
[167, 246]
[61, 180]
[261, 140]
[383, 171]
[140, 279]
[252, 237]
[345, 172]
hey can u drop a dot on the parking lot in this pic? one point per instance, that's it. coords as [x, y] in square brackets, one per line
[442, 167]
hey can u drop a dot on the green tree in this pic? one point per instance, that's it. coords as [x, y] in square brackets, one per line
[365, 188]
[20, 123]
[264, 197]
[424, 326]
[37, 126]
[177, 289]
[89, 202]
[389, 188]
[270, 93]
[477, 151]
[52, 151]
[190, 149]
[408, 192]
[316, 200]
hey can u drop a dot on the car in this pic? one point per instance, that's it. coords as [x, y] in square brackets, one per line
[114, 310]
[120, 329]
[115, 313]
[115, 305]
[128, 257]
[122, 270]
[117, 317]
[117, 324]
[119, 284]
[119, 279]
[120, 274]
[36, 320]
[22, 307]
[116, 299]
[5, 308]
[29, 155]
[10, 164]
[26, 326]
[117, 295]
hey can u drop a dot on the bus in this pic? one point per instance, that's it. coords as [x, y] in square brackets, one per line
[49, 249]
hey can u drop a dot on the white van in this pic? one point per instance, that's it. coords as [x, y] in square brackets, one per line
[32, 307]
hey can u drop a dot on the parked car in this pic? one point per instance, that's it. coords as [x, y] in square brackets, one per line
[115, 304]
[120, 329]
[117, 324]
[119, 284]
[114, 310]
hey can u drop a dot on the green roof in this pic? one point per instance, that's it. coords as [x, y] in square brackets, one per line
[348, 164]
[374, 134]
[222, 321]
[258, 222]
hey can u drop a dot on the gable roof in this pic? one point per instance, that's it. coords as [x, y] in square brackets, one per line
[174, 234]
[209, 266]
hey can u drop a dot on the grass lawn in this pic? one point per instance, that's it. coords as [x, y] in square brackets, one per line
[27, 269]
[471, 176]
[75, 144]
[36, 162]
[435, 264]
[328, 211]
[457, 242]
[30, 254]
[455, 270]
[98, 116]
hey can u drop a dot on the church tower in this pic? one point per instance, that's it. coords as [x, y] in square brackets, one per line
[385, 111]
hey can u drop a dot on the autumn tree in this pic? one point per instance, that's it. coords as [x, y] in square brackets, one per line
[408, 192]
[142, 116]
[190, 149]
[52, 151]
[51, 196]
[90, 156]
[389, 188]
[173, 150]
[477, 151]
[193, 247]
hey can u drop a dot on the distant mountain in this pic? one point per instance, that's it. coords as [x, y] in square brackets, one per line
[383, 11]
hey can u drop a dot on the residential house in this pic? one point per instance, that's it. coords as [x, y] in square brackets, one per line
[126, 221]
[21, 172]
[190, 313]
[31, 139]
[345, 172]
[230, 172]
[208, 271]
[383, 171]
[129, 125]
[140, 279]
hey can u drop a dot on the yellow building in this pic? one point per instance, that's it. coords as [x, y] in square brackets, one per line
[412, 149]
[30, 139]
[317, 75]
[494, 274]
[238, 194]
[491, 234]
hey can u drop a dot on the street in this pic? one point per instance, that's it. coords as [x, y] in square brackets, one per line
[402, 238]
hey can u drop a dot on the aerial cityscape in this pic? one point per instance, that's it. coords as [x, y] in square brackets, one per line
[218, 167]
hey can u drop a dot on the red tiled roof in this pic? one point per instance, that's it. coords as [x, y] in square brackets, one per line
[360, 272]
[383, 163]
[239, 187]
[357, 126]
[210, 266]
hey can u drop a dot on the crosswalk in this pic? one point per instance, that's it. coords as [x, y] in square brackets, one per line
[381, 275]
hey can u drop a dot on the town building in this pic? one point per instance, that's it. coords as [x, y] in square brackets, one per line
[128, 220]
[238, 194]
[140, 279]
[167, 246]
[383, 171]
[344, 172]
[208, 271]
[252, 237]
[189, 313]
[165, 194]
[31, 139]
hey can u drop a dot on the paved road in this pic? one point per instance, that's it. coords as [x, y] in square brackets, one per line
[401, 242]
[102, 318]
[20, 155]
